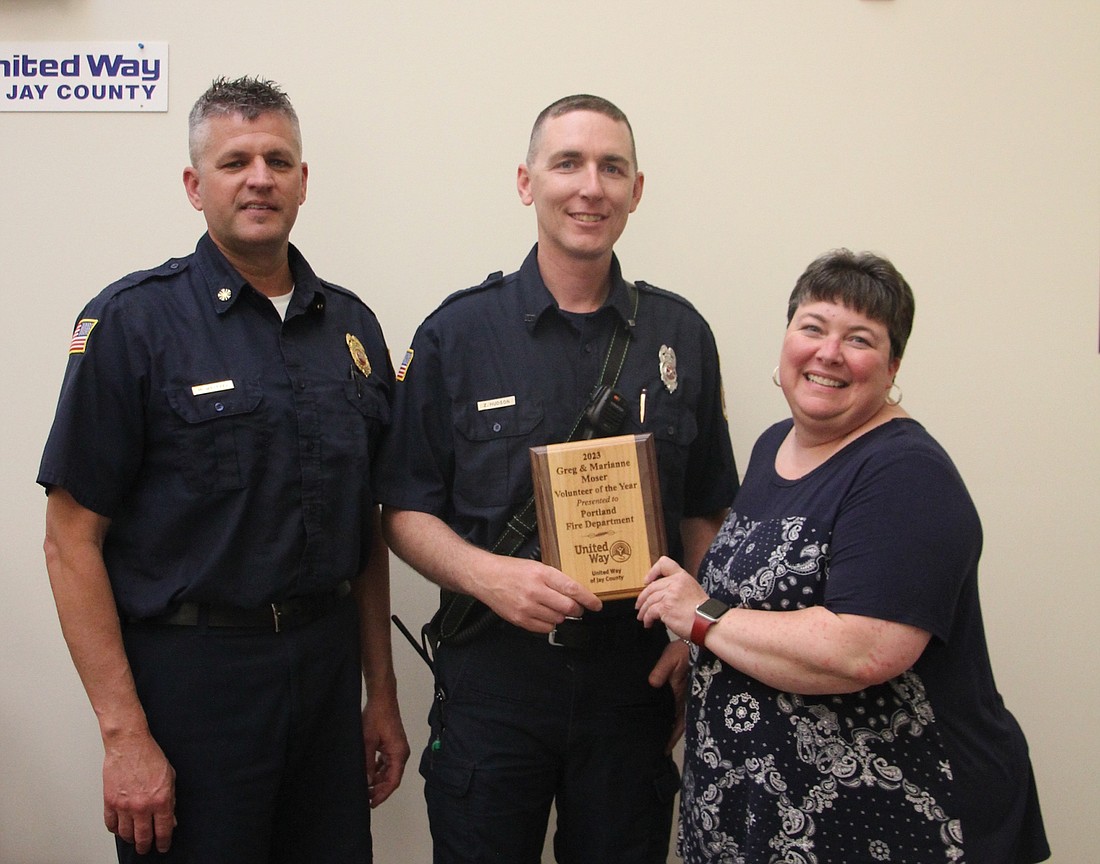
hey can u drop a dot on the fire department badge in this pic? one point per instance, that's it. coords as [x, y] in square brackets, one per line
[667, 358]
[358, 354]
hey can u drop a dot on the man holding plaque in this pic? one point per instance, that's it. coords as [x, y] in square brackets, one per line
[545, 693]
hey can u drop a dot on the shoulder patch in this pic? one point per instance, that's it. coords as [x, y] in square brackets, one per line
[404, 367]
[84, 327]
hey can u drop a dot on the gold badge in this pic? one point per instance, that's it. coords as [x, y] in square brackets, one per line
[225, 295]
[667, 358]
[358, 355]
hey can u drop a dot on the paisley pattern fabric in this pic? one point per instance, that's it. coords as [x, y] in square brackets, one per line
[926, 767]
[856, 777]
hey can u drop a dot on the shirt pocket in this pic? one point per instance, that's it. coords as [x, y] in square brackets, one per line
[364, 414]
[218, 437]
[674, 430]
[492, 463]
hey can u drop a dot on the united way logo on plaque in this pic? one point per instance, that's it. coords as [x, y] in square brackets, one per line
[599, 511]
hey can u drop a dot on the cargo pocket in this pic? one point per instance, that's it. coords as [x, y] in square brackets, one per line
[447, 785]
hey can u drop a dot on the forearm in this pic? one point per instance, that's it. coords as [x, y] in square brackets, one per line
[814, 651]
[808, 650]
[428, 545]
[89, 620]
[384, 738]
[372, 597]
[526, 593]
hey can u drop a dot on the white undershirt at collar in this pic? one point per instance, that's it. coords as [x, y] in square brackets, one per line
[282, 302]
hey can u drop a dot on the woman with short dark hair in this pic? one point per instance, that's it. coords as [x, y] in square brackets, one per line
[843, 707]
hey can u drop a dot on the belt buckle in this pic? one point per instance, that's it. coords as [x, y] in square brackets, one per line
[276, 613]
[552, 636]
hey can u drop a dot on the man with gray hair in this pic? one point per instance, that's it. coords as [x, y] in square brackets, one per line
[211, 538]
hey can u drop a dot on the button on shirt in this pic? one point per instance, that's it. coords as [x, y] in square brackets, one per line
[500, 368]
[231, 450]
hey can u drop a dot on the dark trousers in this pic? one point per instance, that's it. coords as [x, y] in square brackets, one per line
[524, 724]
[264, 731]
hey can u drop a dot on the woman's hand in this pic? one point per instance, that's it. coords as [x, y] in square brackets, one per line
[670, 597]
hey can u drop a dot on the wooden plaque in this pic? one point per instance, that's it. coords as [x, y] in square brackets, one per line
[599, 511]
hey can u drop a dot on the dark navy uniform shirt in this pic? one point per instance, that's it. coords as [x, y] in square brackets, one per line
[231, 450]
[499, 368]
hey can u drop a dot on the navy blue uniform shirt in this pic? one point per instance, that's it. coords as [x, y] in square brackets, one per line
[231, 450]
[499, 368]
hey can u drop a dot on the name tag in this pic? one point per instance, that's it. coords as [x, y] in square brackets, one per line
[213, 387]
[501, 402]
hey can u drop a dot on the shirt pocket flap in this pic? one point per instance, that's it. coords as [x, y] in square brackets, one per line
[675, 427]
[212, 406]
[370, 401]
[495, 423]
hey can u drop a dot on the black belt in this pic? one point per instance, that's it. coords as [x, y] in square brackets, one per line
[571, 633]
[292, 612]
[589, 633]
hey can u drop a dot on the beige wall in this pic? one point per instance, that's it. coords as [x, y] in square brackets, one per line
[960, 139]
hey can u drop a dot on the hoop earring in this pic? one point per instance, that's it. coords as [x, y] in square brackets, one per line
[775, 377]
[891, 399]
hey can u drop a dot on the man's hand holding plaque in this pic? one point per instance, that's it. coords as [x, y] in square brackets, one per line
[599, 511]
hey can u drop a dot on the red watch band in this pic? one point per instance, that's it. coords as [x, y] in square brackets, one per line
[699, 628]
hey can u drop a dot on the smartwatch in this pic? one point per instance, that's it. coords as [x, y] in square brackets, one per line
[707, 614]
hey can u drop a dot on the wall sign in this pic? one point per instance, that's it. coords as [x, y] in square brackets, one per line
[83, 76]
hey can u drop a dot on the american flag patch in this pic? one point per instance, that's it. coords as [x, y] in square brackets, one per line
[404, 367]
[83, 330]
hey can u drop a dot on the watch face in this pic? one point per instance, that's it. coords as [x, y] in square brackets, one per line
[712, 609]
